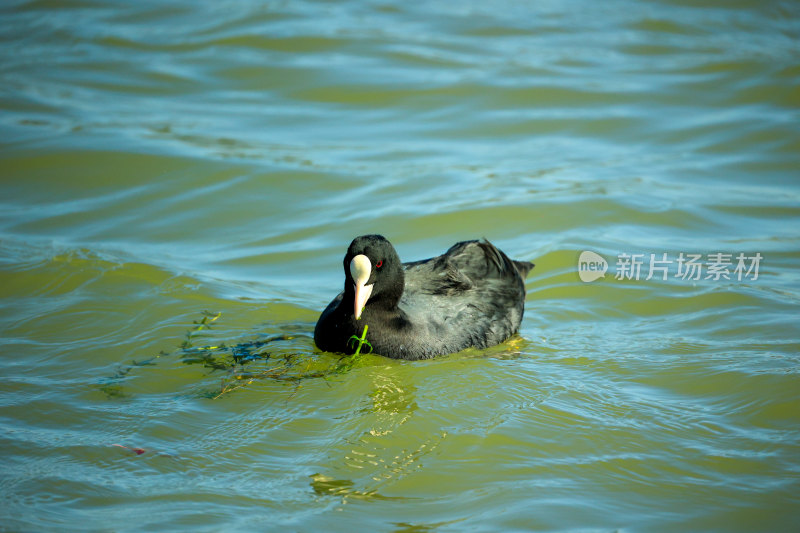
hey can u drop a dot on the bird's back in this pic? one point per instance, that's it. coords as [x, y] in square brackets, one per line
[472, 295]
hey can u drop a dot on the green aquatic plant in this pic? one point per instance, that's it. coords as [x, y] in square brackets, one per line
[347, 362]
[204, 323]
[244, 363]
[361, 341]
[112, 386]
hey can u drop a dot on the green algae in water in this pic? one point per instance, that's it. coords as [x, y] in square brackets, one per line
[242, 363]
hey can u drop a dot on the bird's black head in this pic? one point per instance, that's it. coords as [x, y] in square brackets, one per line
[373, 273]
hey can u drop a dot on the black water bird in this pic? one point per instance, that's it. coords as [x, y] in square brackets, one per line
[472, 295]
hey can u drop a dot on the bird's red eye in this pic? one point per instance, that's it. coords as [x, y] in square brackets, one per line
[379, 264]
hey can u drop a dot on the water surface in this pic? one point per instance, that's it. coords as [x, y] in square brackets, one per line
[165, 165]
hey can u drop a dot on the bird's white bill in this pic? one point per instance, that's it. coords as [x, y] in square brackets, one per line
[360, 270]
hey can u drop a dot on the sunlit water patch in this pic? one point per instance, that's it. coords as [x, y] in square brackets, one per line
[178, 187]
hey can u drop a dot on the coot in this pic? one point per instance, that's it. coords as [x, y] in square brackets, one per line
[472, 295]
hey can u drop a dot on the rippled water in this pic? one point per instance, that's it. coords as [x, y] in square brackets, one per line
[163, 165]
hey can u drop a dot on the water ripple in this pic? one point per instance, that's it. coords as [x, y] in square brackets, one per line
[161, 164]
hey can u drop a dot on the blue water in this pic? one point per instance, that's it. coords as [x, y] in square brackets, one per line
[177, 180]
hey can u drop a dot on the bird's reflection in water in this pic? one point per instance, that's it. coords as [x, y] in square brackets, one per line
[387, 447]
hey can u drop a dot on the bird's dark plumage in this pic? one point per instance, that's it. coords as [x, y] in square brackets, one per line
[472, 295]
